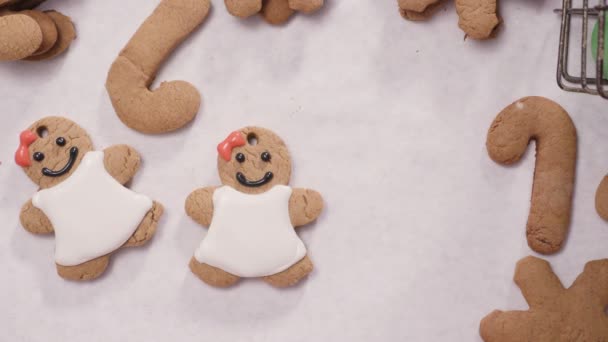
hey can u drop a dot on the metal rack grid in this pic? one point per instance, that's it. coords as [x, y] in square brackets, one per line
[582, 83]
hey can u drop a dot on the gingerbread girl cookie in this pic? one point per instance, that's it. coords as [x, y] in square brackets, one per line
[251, 217]
[556, 314]
[82, 198]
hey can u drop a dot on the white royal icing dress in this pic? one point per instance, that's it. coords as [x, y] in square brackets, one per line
[251, 235]
[92, 213]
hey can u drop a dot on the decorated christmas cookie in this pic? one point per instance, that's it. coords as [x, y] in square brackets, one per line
[30, 34]
[556, 314]
[82, 198]
[274, 11]
[252, 215]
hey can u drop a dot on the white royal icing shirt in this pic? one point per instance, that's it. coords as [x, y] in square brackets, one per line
[92, 213]
[251, 235]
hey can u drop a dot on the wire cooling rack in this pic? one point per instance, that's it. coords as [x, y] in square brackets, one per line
[587, 77]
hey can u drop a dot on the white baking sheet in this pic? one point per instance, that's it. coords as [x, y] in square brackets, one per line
[386, 118]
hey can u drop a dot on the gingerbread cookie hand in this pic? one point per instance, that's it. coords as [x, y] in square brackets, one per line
[556, 313]
[253, 214]
[305, 206]
[199, 205]
[122, 162]
[542, 120]
[81, 197]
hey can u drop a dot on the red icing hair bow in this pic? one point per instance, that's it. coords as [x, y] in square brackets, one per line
[22, 156]
[235, 139]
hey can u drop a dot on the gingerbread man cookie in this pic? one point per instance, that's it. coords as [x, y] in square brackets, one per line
[273, 11]
[252, 215]
[82, 198]
[28, 34]
[556, 314]
[477, 18]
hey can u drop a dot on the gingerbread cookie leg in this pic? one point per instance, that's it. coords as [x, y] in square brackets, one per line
[546, 122]
[147, 227]
[292, 275]
[477, 18]
[173, 104]
[86, 271]
[276, 12]
[212, 275]
[243, 8]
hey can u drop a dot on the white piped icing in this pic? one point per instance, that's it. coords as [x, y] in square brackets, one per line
[251, 235]
[92, 213]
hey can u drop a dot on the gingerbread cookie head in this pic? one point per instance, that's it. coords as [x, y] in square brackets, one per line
[51, 149]
[253, 160]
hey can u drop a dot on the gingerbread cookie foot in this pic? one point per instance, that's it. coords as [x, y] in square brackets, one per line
[306, 6]
[477, 18]
[292, 275]
[212, 275]
[87, 271]
[243, 8]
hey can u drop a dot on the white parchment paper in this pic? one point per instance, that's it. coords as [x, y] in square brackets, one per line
[386, 118]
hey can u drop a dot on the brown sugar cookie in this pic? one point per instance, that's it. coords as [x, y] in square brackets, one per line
[20, 36]
[477, 18]
[82, 198]
[275, 12]
[66, 33]
[48, 28]
[173, 104]
[252, 215]
[556, 314]
[542, 120]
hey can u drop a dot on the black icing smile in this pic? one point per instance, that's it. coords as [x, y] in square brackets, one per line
[253, 184]
[66, 168]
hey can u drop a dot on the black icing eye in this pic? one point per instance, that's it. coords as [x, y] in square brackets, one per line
[240, 157]
[39, 156]
[60, 141]
[266, 156]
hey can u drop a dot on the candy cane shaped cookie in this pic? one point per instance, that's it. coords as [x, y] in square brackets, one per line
[542, 120]
[173, 104]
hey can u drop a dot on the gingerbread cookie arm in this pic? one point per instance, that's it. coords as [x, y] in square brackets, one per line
[502, 326]
[594, 281]
[477, 18]
[122, 162]
[34, 220]
[546, 122]
[199, 205]
[305, 206]
[173, 104]
[243, 8]
[537, 281]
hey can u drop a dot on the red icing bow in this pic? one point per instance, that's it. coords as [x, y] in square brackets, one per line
[22, 156]
[235, 139]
